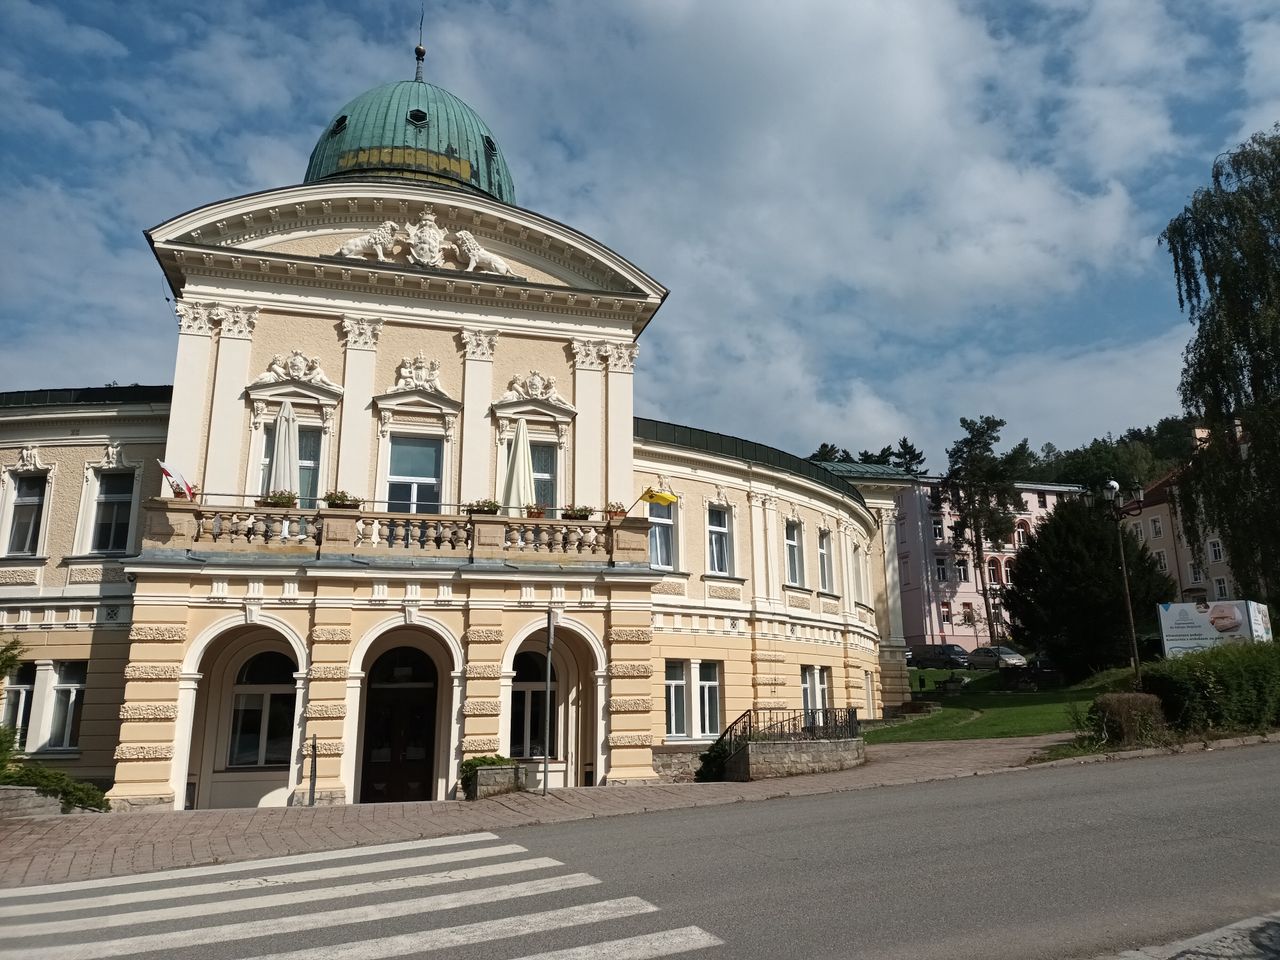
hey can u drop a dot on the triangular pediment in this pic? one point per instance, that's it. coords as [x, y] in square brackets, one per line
[533, 410]
[295, 391]
[416, 401]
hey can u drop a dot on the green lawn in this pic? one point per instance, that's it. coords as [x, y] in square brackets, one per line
[980, 715]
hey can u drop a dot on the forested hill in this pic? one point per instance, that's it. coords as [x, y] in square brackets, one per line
[1139, 455]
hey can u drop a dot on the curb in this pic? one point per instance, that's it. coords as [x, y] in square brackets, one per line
[1203, 746]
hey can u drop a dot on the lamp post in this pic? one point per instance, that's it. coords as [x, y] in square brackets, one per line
[1118, 509]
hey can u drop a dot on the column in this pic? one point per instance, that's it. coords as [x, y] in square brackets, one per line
[222, 474]
[588, 428]
[477, 397]
[620, 440]
[759, 550]
[350, 731]
[190, 380]
[894, 685]
[356, 428]
[188, 686]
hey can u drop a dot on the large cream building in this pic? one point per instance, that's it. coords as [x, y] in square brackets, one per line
[211, 653]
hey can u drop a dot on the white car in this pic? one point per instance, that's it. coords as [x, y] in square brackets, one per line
[993, 658]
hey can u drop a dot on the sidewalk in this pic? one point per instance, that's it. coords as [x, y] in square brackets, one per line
[41, 850]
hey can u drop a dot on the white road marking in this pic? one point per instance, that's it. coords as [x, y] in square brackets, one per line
[178, 940]
[665, 944]
[243, 866]
[258, 881]
[494, 928]
[387, 886]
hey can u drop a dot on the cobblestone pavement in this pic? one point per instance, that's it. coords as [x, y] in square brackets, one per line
[39, 850]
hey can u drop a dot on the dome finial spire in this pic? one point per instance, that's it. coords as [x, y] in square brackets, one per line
[420, 52]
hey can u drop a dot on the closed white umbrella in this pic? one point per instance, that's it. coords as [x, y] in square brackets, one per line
[517, 490]
[284, 458]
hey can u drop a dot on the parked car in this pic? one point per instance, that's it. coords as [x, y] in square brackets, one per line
[948, 656]
[994, 658]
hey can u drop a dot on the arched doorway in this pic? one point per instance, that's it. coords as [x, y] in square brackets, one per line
[398, 747]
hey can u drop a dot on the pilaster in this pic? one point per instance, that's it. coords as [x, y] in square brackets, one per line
[629, 737]
[620, 442]
[190, 381]
[477, 397]
[356, 430]
[227, 418]
[588, 427]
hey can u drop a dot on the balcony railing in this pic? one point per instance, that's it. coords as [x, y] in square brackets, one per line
[335, 532]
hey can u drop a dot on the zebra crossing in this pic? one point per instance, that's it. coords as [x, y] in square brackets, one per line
[470, 895]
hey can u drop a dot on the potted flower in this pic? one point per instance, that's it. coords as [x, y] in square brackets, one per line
[577, 513]
[483, 506]
[278, 498]
[536, 511]
[615, 509]
[341, 500]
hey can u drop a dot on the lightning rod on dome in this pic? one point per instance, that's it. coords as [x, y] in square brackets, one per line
[420, 52]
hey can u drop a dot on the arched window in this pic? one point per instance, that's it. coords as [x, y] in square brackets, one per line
[528, 706]
[262, 712]
[993, 571]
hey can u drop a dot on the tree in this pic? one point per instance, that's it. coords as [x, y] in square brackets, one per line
[1066, 596]
[830, 453]
[11, 651]
[907, 458]
[979, 486]
[1225, 247]
[883, 458]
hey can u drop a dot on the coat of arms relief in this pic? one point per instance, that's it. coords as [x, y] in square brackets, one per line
[428, 245]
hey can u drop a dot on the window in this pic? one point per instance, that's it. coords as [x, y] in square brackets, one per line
[1220, 588]
[946, 613]
[993, 570]
[1136, 529]
[938, 532]
[544, 474]
[262, 712]
[1162, 561]
[662, 529]
[824, 561]
[114, 508]
[904, 573]
[719, 557]
[529, 706]
[308, 464]
[940, 569]
[28, 509]
[413, 480]
[1197, 575]
[1042, 500]
[815, 683]
[18, 692]
[1215, 551]
[795, 556]
[962, 569]
[1157, 528]
[68, 702]
[966, 613]
[997, 616]
[1020, 533]
[701, 717]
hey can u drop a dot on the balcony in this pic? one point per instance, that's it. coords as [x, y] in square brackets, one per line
[370, 536]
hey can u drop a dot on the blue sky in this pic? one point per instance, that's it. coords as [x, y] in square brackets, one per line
[874, 218]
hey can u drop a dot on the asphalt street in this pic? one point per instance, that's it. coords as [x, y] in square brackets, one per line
[1061, 863]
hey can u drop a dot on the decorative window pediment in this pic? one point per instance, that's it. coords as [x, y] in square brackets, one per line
[299, 371]
[417, 395]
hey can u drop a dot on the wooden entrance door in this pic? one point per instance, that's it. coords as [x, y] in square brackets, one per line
[399, 728]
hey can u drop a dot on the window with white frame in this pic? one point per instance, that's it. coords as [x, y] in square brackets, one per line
[719, 555]
[68, 703]
[1020, 534]
[1197, 574]
[1215, 551]
[677, 699]
[709, 698]
[1162, 561]
[28, 513]
[938, 532]
[1220, 588]
[825, 580]
[946, 613]
[966, 613]
[308, 464]
[1157, 528]
[662, 536]
[113, 512]
[940, 569]
[262, 710]
[529, 735]
[1042, 500]
[795, 554]
[413, 478]
[993, 571]
[962, 569]
[1136, 529]
[693, 698]
[544, 456]
[815, 687]
[19, 691]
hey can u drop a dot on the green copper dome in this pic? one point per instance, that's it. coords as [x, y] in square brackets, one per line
[411, 130]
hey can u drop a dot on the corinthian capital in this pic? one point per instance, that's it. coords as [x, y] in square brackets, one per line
[193, 318]
[479, 344]
[361, 332]
[622, 357]
[589, 354]
[236, 322]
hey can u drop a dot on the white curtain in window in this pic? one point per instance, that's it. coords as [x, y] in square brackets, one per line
[284, 459]
[517, 490]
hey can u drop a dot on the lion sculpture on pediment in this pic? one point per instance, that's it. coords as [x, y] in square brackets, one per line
[377, 242]
[478, 257]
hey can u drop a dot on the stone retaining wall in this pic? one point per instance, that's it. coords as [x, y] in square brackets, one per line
[677, 762]
[492, 781]
[765, 759]
[26, 802]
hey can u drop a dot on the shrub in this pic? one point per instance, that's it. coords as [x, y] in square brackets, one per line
[55, 783]
[1126, 719]
[489, 507]
[467, 772]
[278, 498]
[1233, 687]
[713, 761]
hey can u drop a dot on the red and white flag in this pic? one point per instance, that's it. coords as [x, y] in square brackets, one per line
[177, 482]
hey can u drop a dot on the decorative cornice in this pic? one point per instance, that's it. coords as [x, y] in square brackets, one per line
[152, 671]
[630, 635]
[481, 708]
[483, 635]
[478, 344]
[361, 332]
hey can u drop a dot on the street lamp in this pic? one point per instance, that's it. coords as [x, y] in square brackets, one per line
[1118, 509]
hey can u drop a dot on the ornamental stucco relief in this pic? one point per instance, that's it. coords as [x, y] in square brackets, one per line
[325, 711]
[483, 635]
[630, 704]
[630, 635]
[361, 334]
[157, 633]
[418, 373]
[426, 244]
[483, 671]
[481, 708]
[479, 744]
[297, 367]
[331, 635]
[144, 751]
[631, 739]
[630, 670]
[149, 711]
[152, 671]
[478, 344]
[535, 386]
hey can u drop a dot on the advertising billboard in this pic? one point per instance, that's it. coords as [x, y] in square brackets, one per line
[1188, 627]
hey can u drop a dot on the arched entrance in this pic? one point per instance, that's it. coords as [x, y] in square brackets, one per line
[398, 749]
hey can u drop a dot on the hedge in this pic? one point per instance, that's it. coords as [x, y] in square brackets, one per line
[55, 783]
[1228, 688]
[467, 772]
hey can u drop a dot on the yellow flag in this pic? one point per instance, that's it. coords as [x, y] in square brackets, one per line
[651, 495]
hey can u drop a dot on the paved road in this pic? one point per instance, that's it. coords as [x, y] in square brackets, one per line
[1052, 863]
